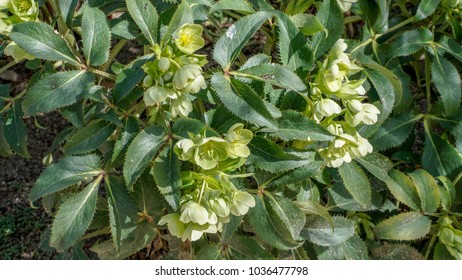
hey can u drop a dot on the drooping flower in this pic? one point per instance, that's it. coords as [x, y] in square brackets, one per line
[361, 113]
[189, 38]
[157, 94]
[175, 226]
[184, 148]
[242, 201]
[189, 79]
[193, 212]
[181, 106]
[327, 107]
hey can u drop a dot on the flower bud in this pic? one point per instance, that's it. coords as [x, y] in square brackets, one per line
[16, 52]
[147, 81]
[164, 64]
[327, 107]
[220, 207]
[184, 149]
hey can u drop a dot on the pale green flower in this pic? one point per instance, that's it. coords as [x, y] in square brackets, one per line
[338, 150]
[238, 138]
[345, 5]
[16, 52]
[351, 90]
[184, 149]
[26, 10]
[193, 212]
[327, 107]
[220, 207]
[175, 226]
[5, 24]
[451, 238]
[148, 81]
[362, 148]
[189, 79]
[181, 106]
[451, 3]
[368, 114]
[156, 94]
[189, 38]
[210, 151]
[194, 232]
[4, 4]
[242, 201]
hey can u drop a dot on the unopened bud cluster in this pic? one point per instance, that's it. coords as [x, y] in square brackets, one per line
[11, 13]
[338, 105]
[176, 72]
[451, 238]
[209, 196]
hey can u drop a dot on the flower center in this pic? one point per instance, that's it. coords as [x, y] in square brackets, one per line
[24, 5]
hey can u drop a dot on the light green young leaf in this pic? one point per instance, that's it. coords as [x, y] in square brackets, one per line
[318, 231]
[268, 156]
[403, 189]
[393, 132]
[140, 153]
[410, 42]
[426, 8]
[356, 182]
[166, 172]
[74, 216]
[122, 210]
[66, 172]
[145, 16]
[331, 17]
[403, 227]
[231, 43]
[427, 189]
[447, 81]
[275, 74]
[56, 91]
[308, 24]
[439, 157]
[15, 132]
[96, 36]
[89, 138]
[40, 40]
[242, 101]
[352, 249]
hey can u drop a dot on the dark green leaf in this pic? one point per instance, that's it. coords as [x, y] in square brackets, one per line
[96, 36]
[230, 228]
[209, 252]
[233, 5]
[89, 138]
[308, 24]
[66, 172]
[390, 251]
[352, 249]
[166, 172]
[450, 46]
[331, 17]
[286, 216]
[67, 8]
[73, 217]
[274, 74]
[131, 129]
[439, 157]
[4, 147]
[403, 189]
[377, 165]
[376, 14]
[264, 226]
[145, 16]
[14, 130]
[427, 189]
[294, 50]
[122, 210]
[447, 81]
[242, 101]
[314, 208]
[56, 91]
[248, 248]
[426, 8]
[319, 231]
[141, 151]
[294, 126]
[393, 132]
[184, 126]
[40, 40]
[268, 156]
[356, 182]
[410, 42]
[403, 227]
[231, 43]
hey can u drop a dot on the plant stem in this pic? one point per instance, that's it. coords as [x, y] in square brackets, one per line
[457, 179]
[115, 51]
[104, 74]
[430, 245]
[9, 65]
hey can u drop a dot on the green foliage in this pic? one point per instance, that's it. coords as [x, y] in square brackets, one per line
[302, 135]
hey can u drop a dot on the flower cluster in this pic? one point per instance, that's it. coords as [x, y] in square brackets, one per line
[334, 96]
[12, 12]
[209, 196]
[176, 72]
[451, 238]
